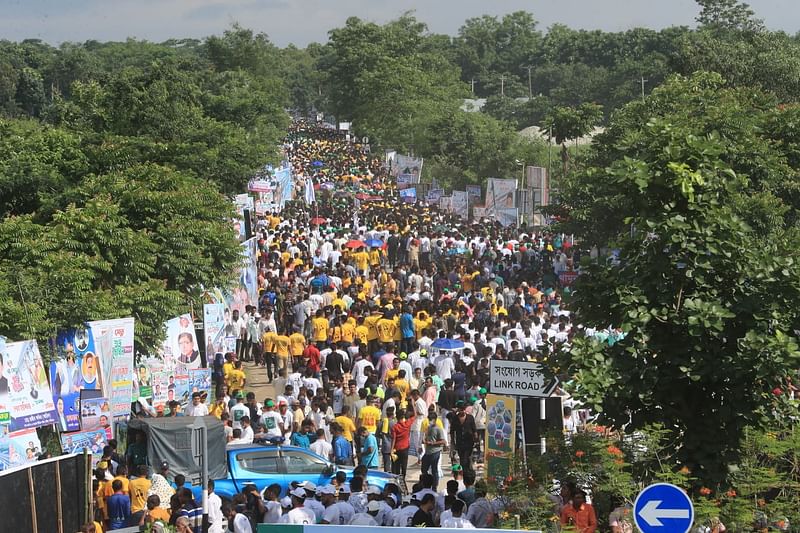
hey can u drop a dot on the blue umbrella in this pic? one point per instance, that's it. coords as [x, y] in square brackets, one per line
[447, 344]
[374, 243]
[318, 164]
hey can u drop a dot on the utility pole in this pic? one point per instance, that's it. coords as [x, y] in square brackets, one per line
[643, 81]
[472, 86]
[530, 86]
[502, 85]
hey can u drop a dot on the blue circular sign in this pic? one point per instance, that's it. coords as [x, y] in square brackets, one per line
[663, 508]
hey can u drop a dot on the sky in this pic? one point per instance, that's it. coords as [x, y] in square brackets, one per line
[304, 21]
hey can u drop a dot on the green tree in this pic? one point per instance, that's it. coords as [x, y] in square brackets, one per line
[566, 123]
[688, 187]
[728, 15]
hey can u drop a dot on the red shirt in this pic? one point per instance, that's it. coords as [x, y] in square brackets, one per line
[401, 433]
[312, 354]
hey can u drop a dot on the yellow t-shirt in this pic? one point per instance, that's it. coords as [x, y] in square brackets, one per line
[319, 326]
[348, 427]
[368, 417]
[268, 339]
[125, 486]
[336, 334]
[362, 332]
[348, 332]
[282, 346]
[398, 334]
[386, 330]
[375, 257]
[371, 323]
[297, 343]
[338, 302]
[139, 488]
[235, 379]
[362, 260]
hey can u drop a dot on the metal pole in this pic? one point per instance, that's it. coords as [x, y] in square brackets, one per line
[542, 418]
[524, 443]
[204, 478]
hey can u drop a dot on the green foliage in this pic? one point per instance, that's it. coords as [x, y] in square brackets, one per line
[570, 123]
[728, 15]
[689, 188]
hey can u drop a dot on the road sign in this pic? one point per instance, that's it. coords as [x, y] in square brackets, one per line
[663, 508]
[520, 378]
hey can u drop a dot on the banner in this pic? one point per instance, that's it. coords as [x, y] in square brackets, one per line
[407, 166]
[214, 328]
[500, 194]
[25, 397]
[501, 419]
[404, 181]
[241, 202]
[96, 415]
[445, 203]
[18, 448]
[284, 190]
[309, 195]
[180, 349]
[474, 192]
[142, 382]
[114, 341]
[94, 441]
[409, 196]
[179, 386]
[260, 185]
[434, 195]
[479, 212]
[459, 203]
[507, 217]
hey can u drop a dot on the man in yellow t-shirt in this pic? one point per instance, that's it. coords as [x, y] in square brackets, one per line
[297, 343]
[362, 331]
[138, 489]
[362, 261]
[319, 328]
[349, 331]
[236, 378]
[281, 351]
[347, 424]
[386, 330]
[369, 415]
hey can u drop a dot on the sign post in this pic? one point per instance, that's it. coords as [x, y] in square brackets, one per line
[523, 379]
[663, 508]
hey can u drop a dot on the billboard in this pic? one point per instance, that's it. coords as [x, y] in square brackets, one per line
[459, 203]
[115, 349]
[214, 328]
[501, 432]
[26, 400]
[180, 349]
[500, 194]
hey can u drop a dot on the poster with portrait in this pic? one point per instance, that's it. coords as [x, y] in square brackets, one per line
[25, 394]
[214, 328]
[180, 349]
[169, 386]
[500, 194]
[18, 448]
[410, 168]
[94, 441]
[474, 192]
[75, 367]
[459, 203]
[409, 195]
[96, 414]
[114, 348]
[142, 386]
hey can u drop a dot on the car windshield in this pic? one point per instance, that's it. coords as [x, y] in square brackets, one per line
[264, 462]
[303, 463]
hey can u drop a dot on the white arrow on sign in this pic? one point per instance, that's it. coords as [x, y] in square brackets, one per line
[650, 513]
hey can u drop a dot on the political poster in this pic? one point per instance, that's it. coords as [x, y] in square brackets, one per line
[94, 441]
[507, 217]
[445, 203]
[501, 419]
[114, 341]
[404, 181]
[96, 414]
[260, 185]
[18, 448]
[474, 192]
[169, 386]
[479, 212]
[409, 195]
[142, 382]
[241, 202]
[284, 189]
[459, 203]
[214, 328]
[26, 400]
[500, 194]
[180, 350]
[407, 166]
[433, 196]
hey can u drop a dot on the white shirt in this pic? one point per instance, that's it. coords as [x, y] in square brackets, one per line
[460, 522]
[215, 514]
[298, 515]
[237, 412]
[247, 435]
[315, 507]
[363, 519]
[339, 513]
[273, 513]
[445, 366]
[200, 409]
[323, 448]
[241, 524]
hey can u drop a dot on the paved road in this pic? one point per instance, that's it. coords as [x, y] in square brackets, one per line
[258, 383]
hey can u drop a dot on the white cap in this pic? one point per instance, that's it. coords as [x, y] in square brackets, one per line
[345, 488]
[286, 501]
[299, 493]
[308, 485]
[372, 489]
[374, 506]
[328, 489]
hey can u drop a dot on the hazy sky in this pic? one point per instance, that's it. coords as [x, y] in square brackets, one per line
[304, 21]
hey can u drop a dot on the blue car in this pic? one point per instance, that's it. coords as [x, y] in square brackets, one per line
[263, 465]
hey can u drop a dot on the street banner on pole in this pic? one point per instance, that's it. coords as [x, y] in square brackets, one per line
[501, 432]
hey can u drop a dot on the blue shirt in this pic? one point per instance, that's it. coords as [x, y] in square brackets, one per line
[370, 460]
[342, 450]
[301, 440]
[406, 325]
[194, 512]
[119, 510]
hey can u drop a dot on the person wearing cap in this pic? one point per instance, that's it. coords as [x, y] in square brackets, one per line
[311, 503]
[336, 512]
[367, 518]
[271, 420]
[299, 514]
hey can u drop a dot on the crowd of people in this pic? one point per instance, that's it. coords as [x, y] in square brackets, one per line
[376, 323]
